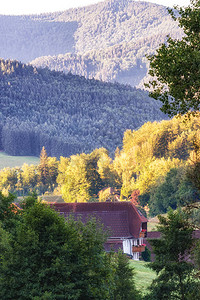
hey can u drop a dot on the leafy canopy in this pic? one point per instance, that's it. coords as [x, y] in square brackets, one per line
[176, 65]
[43, 256]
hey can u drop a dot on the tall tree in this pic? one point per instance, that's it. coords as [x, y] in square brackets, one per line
[8, 212]
[73, 181]
[175, 274]
[47, 171]
[43, 256]
[82, 176]
[8, 179]
[43, 166]
[29, 177]
[193, 172]
[176, 65]
[124, 287]
[93, 175]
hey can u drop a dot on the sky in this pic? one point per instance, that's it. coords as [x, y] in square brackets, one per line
[19, 7]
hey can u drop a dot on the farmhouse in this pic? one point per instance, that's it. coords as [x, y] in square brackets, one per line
[126, 224]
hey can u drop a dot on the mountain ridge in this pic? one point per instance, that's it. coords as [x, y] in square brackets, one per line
[92, 29]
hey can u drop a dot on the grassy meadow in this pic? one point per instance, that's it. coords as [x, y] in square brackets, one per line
[143, 275]
[152, 224]
[16, 161]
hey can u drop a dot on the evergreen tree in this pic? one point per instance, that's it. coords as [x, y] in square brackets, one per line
[43, 167]
[146, 255]
[8, 212]
[47, 172]
[175, 273]
[124, 285]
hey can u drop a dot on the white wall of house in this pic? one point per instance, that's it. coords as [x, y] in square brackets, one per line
[136, 256]
[127, 247]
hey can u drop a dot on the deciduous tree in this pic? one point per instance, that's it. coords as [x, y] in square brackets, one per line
[176, 65]
[44, 256]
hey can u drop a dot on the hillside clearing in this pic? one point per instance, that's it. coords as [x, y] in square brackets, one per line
[16, 161]
[143, 275]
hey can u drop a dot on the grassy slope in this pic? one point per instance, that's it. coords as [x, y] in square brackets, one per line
[16, 161]
[152, 223]
[143, 275]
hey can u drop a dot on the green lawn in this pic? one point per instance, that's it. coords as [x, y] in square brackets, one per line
[143, 275]
[16, 161]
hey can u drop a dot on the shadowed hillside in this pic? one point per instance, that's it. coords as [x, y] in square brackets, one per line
[106, 41]
[67, 114]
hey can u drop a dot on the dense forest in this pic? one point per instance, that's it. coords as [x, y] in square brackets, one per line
[107, 41]
[67, 114]
[156, 169]
[156, 166]
[124, 62]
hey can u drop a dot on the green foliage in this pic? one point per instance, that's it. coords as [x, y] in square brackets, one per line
[28, 178]
[47, 171]
[21, 181]
[124, 287]
[43, 256]
[144, 165]
[66, 114]
[196, 253]
[144, 199]
[53, 258]
[106, 195]
[175, 275]
[78, 178]
[8, 212]
[75, 186]
[92, 174]
[147, 157]
[176, 65]
[175, 191]
[82, 176]
[146, 255]
[8, 179]
[193, 171]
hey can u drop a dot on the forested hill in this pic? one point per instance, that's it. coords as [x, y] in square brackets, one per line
[107, 41]
[67, 114]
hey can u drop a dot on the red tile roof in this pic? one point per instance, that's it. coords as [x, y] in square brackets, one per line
[121, 218]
